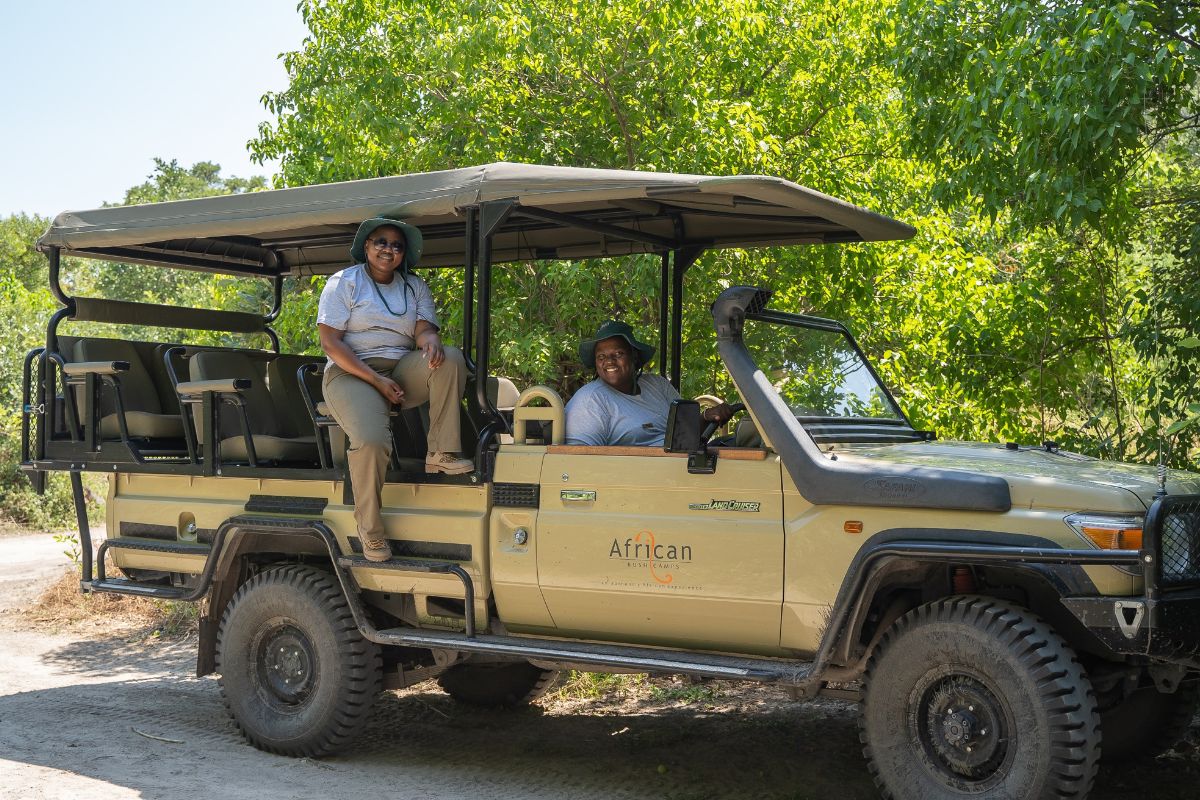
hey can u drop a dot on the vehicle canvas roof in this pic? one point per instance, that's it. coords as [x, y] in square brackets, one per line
[308, 229]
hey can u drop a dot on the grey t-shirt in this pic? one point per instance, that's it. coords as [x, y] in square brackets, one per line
[351, 302]
[600, 415]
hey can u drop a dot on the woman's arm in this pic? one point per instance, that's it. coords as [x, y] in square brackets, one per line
[426, 336]
[336, 348]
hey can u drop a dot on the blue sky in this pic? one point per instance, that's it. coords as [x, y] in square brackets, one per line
[94, 90]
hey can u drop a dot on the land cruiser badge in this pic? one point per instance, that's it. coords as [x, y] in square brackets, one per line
[725, 505]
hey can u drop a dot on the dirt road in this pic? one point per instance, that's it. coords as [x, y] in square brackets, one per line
[120, 717]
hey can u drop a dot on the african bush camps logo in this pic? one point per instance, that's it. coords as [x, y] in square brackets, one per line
[725, 505]
[642, 549]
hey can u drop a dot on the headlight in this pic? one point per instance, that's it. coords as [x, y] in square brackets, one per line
[1108, 531]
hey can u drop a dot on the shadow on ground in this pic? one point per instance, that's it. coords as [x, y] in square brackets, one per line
[420, 743]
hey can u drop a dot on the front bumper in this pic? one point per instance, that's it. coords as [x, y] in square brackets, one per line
[1164, 623]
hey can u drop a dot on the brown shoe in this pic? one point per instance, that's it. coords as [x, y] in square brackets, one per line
[376, 549]
[448, 463]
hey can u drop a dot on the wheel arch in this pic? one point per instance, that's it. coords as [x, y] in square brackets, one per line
[898, 570]
[247, 550]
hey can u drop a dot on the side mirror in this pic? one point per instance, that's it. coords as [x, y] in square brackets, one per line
[685, 429]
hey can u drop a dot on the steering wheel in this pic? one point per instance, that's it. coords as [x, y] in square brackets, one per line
[711, 427]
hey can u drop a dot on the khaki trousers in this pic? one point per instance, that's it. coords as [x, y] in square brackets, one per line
[363, 414]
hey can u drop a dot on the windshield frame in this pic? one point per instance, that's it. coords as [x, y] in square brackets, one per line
[771, 317]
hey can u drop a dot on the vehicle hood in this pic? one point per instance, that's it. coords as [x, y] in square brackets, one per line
[1041, 478]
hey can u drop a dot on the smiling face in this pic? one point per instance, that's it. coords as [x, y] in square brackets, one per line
[384, 261]
[616, 364]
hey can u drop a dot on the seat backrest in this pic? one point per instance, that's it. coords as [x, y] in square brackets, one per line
[502, 392]
[137, 387]
[208, 365]
[286, 394]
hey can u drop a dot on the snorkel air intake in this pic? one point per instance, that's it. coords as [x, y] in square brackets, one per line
[820, 479]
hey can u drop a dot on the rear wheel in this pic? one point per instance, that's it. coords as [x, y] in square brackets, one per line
[1148, 723]
[969, 696]
[296, 675]
[507, 684]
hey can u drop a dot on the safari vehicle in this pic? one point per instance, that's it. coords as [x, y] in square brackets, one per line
[1006, 614]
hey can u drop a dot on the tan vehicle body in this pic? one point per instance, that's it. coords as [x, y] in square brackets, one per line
[626, 545]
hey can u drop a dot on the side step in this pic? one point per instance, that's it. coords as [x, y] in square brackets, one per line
[642, 659]
[103, 583]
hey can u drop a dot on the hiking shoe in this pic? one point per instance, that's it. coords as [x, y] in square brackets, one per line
[376, 549]
[448, 463]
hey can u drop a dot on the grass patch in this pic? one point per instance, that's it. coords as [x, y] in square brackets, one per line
[596, 686]
[62, 607]
[684, 692]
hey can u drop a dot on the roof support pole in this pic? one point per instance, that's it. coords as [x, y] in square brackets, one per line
[492, 216]
[664, 293]
[276, 299]
[54, 255]
[469, 259]
[684, 258]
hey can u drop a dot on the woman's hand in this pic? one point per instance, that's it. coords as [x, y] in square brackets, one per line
[391, 391]
[430, 344]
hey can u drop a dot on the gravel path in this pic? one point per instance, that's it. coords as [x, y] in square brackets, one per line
[114, 718]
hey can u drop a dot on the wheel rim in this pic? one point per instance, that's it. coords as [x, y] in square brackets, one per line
[285, 665]
[964, 728]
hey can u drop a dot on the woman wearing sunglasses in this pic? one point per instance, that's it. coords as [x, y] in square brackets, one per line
[379, 329]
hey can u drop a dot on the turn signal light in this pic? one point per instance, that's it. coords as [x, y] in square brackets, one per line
[1108, 533]
[1114, 538]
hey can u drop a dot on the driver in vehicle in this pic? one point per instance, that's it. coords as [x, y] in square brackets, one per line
[623, 406]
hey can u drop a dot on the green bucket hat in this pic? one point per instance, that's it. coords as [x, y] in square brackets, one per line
[413, 241]
[587, 348]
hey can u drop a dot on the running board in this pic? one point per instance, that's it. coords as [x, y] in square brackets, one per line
[640, 659]
[103, 583]
[122, 586]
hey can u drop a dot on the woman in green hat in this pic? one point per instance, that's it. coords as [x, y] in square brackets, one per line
[623, 406]
[378, 326]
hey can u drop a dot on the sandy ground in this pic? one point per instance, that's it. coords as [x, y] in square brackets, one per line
[123, 717]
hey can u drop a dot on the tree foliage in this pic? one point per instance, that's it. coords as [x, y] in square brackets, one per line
[26, 303]
[1044, 109]
[1015, 135]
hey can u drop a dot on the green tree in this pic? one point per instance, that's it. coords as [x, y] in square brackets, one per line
[1046, 109]
[26, 302]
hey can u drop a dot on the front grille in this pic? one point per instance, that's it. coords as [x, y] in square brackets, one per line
[1179, 548]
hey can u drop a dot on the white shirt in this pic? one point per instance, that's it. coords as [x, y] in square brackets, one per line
[354, 303]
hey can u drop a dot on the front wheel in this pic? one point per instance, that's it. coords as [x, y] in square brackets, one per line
[970, 696]
[296, 675]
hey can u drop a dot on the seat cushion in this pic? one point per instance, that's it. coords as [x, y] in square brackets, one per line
[270, 448]
[143, 424]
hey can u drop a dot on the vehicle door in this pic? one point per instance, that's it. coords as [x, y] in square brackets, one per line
[633, 547]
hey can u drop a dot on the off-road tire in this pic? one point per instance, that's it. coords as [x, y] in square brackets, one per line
[971, 696]
[296, 675]
[1147, 723]
[497, 685]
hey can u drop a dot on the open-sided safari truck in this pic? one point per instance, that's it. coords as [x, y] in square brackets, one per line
[996, 608]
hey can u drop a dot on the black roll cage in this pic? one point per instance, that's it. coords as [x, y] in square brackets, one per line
[60, 442]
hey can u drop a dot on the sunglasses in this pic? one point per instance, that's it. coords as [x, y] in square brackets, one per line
[384, 244]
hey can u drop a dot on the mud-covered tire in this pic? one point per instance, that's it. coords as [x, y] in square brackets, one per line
[296, 675]
[970, 696]
[1147, 723]
[497, 685]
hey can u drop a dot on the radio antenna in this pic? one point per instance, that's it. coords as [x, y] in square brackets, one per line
[1156, 309]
